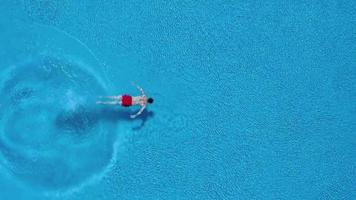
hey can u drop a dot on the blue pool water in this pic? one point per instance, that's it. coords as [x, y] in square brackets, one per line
[253, 100]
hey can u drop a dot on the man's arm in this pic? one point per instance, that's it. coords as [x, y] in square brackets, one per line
[139, 88]
[139, 112]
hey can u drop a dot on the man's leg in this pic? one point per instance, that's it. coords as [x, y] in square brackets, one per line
[112, 97]
[108, 102]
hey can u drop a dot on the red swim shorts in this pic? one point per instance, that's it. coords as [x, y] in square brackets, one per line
[126, 100]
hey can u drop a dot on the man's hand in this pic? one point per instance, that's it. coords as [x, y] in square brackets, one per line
[139, 112]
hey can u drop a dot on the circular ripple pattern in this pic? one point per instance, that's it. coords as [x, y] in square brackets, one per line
[51, 135]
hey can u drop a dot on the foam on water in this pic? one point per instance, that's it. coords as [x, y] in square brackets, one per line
[52, 135]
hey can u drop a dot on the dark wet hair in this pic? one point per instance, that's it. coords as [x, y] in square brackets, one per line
[150, 100]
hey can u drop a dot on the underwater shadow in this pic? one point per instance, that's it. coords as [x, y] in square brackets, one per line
[83, 119]
[115, 115]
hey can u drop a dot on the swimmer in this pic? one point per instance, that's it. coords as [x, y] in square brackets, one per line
[127, 100]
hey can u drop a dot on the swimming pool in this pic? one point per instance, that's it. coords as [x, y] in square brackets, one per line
[252, 100]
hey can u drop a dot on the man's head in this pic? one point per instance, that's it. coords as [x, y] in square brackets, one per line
[150, 100]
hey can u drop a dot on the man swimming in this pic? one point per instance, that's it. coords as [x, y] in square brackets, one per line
[127, 100]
